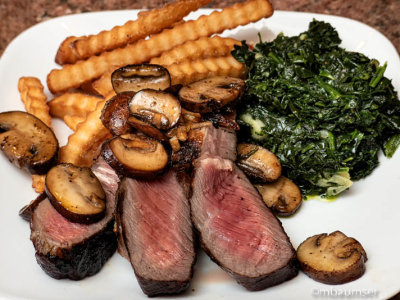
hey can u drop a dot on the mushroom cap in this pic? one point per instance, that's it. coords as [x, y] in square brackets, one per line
[27, 142]
[258, 163]
[136, 156]
[76, 193]
[211, 94]
[138, 77]
[332, 258]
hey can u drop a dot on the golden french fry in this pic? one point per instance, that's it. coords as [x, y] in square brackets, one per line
[84, 144]
[34, 99]
[191, 71]
[38, 183]
[66, 53]
[75, 104]
[73, 121]
[147, 23]
[103, 85]
[204, 47]
[71, 76]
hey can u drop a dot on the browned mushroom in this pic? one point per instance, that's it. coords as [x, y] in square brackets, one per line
[333, 258]
[27, 142]
[211, 94]
[282, 196]
[138, 77]
[258, 163]
[147, 129]
[158, 108]
[116, 112]
[76, 193]
[135, 155]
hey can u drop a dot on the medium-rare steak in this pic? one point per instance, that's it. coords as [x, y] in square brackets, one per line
[155, 220]
[72, 250]
[215, 141]
[203, 140]
[236, 229]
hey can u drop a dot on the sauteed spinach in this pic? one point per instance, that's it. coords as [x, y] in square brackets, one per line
[324, 111]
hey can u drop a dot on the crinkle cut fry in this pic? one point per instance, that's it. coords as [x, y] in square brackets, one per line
[75, 104]
[84, 144]
[34, 99]
[191, 71]
[73, 121]
[103, 85]
[204, 47]
[148, 23]
[38, 182]
[72, 76]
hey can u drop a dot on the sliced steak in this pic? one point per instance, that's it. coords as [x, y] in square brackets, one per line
[155, 220]
[236, 229]
[72, 250]
[214, 141]
[27, 211]
[203, 140]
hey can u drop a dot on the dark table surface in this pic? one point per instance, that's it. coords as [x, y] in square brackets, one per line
[18, 15]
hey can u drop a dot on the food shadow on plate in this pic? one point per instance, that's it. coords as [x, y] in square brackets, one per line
[251, 34]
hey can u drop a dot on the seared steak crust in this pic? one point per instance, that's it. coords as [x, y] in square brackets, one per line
[264, 281]
[236, 229]
[83, 259]
[71, 250]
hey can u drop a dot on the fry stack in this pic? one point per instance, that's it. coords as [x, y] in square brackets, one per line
[190, 50]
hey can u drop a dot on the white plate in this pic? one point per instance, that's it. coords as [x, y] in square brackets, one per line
[368, 212]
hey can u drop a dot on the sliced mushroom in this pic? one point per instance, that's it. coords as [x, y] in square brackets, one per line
[190, 117]
[116, 112]
[282, 196]
[138, 77]
[147, 129]
[258, 163]
[173, 89]
[76, 193]
[135, 155]
[333, 258]
[160, 109]
[211, 94]
[27, 142]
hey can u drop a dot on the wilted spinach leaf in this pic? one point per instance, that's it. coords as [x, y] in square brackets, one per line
[324, 111]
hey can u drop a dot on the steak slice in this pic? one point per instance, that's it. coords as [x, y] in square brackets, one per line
[155, 220]
[214, 141]
[71, 250]
[203, 140]
[236, 229]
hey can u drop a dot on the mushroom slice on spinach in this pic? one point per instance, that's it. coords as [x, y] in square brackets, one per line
[260, 164]
[282, 196]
